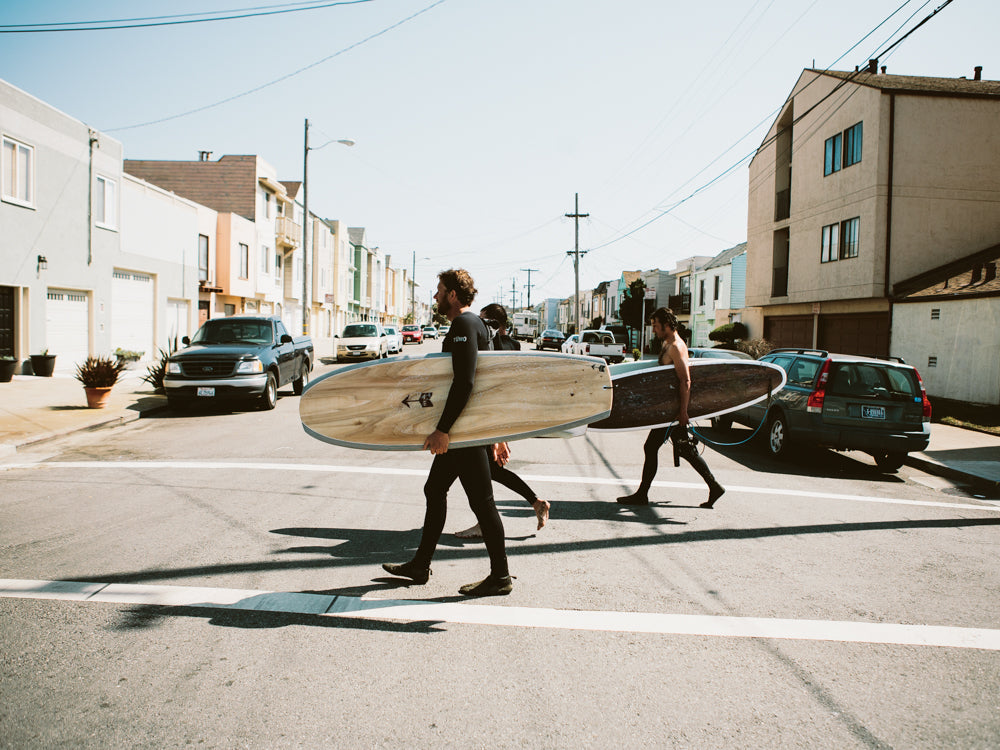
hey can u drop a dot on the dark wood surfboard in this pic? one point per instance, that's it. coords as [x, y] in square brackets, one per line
[646, 395]
[396, 404]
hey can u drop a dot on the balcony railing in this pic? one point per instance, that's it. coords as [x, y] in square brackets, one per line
[680, 303]
[287, 232]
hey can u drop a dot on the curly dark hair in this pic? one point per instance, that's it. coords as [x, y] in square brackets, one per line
[494, 311]
[665, 316]
[459, 281]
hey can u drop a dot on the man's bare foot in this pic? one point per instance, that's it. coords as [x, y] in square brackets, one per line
[542, 511]
[471, 533]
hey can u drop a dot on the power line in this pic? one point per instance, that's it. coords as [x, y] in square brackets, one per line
[282, 78]
[42, 28]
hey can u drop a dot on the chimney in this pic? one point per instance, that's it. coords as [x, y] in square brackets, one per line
[204, 155]
[883, 70]
[978, 73]
[873, 66]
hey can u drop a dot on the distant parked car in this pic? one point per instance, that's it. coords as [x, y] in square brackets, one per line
[362, 341]
[395, 339]
[430, 332]
[443, 330]
[843, 402]
[550, 339]
[717, 353]
[567, 345]
[413, 334]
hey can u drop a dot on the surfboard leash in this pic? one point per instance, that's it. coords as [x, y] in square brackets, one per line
[753, 434]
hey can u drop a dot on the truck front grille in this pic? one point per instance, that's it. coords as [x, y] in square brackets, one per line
[208, 368]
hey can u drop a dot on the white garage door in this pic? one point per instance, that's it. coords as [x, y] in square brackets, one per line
[177, 323]
[66, 327]
[132, 312]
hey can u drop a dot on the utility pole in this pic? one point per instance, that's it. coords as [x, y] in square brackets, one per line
[513, 294]
[576, 216]
[305, 234]
[528, 285]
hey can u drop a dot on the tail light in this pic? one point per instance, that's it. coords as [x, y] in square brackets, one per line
[814, 404]
[923, 397]
[586, 349]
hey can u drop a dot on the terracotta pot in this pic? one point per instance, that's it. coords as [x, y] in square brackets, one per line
[97, 398]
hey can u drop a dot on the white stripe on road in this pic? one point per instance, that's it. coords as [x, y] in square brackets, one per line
[416, 611]
[389, 471]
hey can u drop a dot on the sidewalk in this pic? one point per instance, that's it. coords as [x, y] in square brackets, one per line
[34, 409]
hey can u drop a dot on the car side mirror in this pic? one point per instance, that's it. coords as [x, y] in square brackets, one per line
[186, 341]
[286, 339]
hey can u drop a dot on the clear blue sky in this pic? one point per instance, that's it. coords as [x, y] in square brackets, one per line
[476, 121]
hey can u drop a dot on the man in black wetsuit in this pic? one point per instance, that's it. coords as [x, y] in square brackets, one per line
[471, 466]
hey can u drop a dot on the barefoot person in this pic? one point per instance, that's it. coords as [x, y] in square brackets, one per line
[673, 352]
[466, 338]
[495, 318]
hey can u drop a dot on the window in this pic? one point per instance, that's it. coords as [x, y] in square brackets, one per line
[265, 257]
[849, 238]
[935, 313]
[842, 150]
[718, 287]
[267, 205]
[106, 203]
[831, 243]
[832, 155]
[17, 161]
[701, 292]
[277, 269]
[852, 145]
[244, 261]
[202, 257]
[840, 241]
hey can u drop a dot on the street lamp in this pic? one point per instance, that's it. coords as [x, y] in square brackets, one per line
[413, 287]
[306, 305]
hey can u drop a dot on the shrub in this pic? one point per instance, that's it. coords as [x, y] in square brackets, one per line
[156, 371]
[127, 355]
[99, 372]
[756, 348]
[729, 333]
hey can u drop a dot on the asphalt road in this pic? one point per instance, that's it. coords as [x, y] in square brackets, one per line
[821, 604]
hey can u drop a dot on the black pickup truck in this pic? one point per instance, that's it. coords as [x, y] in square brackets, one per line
[241, 357]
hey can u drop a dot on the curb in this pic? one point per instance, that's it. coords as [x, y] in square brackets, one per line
[125, 417]
[933, 467]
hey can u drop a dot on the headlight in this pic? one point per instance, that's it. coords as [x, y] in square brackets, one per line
[174, 368]
[250, 366]
[371, 347]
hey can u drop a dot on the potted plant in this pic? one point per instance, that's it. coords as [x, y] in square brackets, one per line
[128, 355]
[98, 375]
[7, 366]
[43, 364]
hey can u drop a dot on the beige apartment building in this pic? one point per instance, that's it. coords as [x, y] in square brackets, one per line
[864, 180]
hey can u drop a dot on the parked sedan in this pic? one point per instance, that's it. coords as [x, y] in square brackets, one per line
[550, 339]
[567, 346]
[430, 332]
[717, 354]
[362, 341]
[413, 334]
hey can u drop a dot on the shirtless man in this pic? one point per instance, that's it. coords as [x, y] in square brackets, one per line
[672, 352]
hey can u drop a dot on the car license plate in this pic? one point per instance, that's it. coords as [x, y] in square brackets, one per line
[206, 391]
[873, 412]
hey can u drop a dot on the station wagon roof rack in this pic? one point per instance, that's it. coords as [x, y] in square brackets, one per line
[818, 352]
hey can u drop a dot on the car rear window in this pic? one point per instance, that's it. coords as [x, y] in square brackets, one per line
[864, 380]
[803, 371]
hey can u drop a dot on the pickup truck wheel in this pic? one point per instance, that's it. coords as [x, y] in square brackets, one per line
[890, 461]
[269, 398]
[299, 384]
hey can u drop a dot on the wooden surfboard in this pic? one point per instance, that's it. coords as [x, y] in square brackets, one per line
[646, 394]
[396, 404]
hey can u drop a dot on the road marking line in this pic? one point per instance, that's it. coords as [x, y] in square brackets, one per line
[383, 471]
[416, 611]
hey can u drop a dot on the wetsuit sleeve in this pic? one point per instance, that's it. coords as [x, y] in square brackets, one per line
[464, 353]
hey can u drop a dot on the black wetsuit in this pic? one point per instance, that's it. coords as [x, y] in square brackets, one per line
[500, 474]
[471, 466]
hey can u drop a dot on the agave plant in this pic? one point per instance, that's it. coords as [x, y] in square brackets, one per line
[99, 372]
[156, 371]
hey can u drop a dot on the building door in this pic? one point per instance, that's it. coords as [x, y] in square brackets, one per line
[789, 331]
[132, 312]
[67, 329]
[202, 312]
[865, 334]
[177, 323]
[6, 321]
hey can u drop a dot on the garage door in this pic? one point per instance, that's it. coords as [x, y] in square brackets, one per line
[132, 312]
[789, 331]
[66, 328]
[866, 334]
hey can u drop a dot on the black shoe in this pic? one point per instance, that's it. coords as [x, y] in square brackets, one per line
[489, 586]
[410, 570]
[715, 491]
[638, 498]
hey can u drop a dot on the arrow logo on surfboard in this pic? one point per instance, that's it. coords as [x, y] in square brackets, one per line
[424, 400]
